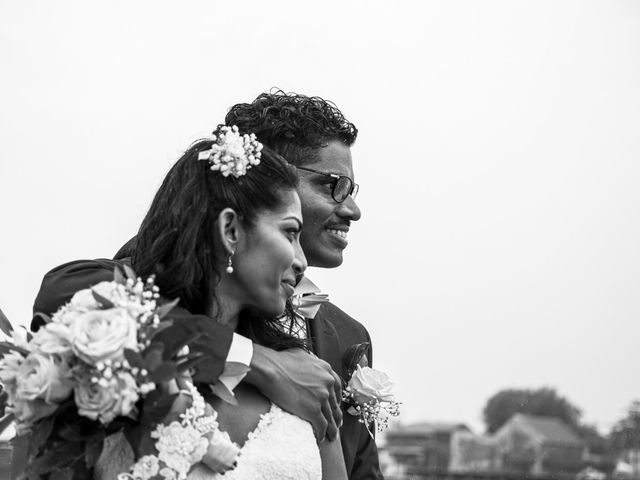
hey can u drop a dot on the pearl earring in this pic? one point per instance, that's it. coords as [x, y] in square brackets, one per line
[230, 265]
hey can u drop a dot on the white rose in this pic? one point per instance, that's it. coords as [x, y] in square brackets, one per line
[368, 384]
[24, 384]
[9, 367]
[104, 334]
[112, 291]
[147, 467]
[53, 338]
[84, 300]
[108, 399]
[43, 376]
[222, 453]
[27, 412]
[179, 446]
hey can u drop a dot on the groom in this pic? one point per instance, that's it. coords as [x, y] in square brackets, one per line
[315, 137]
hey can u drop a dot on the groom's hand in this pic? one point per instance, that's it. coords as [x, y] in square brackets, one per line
[301, 384]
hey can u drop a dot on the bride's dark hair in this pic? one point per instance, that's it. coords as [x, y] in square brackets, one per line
[177, 241]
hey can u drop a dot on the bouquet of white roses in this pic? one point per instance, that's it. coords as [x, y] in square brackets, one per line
[91, 370]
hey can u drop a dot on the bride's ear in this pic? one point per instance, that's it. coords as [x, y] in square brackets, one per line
[229, 229]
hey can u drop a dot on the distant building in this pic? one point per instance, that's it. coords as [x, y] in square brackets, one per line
[474, 453]
[539, 446]
[425, 444]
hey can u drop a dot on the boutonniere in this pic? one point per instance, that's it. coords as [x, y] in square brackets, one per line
[369, 392]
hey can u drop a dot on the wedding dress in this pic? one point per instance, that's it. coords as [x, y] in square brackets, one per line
[281, 447]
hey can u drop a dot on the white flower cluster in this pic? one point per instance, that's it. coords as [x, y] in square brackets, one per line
[232, 154]
[81, 352]
[195, 438]
[369, 395]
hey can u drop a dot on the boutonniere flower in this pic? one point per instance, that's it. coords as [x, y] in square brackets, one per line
[369, 392]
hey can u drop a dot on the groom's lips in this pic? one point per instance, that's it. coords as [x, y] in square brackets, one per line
[338, 234]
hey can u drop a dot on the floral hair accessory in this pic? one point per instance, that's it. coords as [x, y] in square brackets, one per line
[232, 153]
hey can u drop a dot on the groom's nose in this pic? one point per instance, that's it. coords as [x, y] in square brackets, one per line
[349, 210]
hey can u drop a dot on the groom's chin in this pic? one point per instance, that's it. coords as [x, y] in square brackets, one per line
[325, 259]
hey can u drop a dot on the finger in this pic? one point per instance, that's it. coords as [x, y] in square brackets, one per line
[332, 428]
[169, 387]
[335, 399]
[183, 381]
[320, 424]
[336, 411]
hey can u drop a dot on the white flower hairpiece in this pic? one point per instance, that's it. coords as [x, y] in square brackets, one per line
[232, 153]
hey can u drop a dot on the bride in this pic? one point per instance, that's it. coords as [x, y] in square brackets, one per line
[222, 234]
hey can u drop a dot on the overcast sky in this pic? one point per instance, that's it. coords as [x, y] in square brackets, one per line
[498, 158]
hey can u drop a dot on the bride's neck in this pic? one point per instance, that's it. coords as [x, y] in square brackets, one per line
[226, 312]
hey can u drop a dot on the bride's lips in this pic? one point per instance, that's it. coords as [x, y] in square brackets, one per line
[338, 233]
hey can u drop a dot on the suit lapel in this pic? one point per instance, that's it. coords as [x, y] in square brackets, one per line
[324, 340]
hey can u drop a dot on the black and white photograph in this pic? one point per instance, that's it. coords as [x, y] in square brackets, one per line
[325, 241]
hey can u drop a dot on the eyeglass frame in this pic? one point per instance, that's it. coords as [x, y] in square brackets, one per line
[355, 188]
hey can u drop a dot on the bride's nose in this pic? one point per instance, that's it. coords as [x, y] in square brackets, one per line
[299, 260]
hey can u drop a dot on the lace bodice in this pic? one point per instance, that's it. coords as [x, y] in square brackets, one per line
[282, 447]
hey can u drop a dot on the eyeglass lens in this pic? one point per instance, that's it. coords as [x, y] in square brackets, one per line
[343, 188]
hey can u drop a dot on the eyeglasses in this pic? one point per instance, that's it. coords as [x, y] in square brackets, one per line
[341, 187]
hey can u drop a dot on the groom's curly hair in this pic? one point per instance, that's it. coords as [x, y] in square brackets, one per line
[293, 125]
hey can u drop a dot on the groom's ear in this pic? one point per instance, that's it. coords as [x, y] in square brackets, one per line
[229, 229]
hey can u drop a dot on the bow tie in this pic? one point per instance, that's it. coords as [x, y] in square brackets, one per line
[307, 298]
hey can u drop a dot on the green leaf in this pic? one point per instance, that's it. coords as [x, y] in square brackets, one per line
[93, 448]
[153, 355]
[163, 372]
[353, 357]
[160, 327]
[60, 455]
[129, 272]
[5, 324]
[156, 407]
[105, 302]
[167, 307]
[223, 393]
[6, 347]
[191, 362]
[134, 358]
[41, 432]
[118, 277]
[180, 345]
[71, 432]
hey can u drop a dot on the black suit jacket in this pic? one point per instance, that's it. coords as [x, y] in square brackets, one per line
[332, 332]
